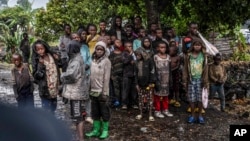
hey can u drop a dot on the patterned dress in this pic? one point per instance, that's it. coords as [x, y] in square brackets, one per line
[163, 74]
[52, 76]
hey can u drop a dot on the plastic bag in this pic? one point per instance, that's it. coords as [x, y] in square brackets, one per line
[204, 97]
[210, 48]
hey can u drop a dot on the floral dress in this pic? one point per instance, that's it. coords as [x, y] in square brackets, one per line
[52, 77]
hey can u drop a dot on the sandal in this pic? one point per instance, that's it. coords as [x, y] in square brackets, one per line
[177, 104]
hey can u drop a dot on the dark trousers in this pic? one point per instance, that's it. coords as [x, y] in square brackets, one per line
[25, 101]
[128, 91]
[64, 64]
[49, 104]
[26, 56]
[117, 83]
[99, 109]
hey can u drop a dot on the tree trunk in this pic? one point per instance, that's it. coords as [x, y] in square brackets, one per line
[152, 12]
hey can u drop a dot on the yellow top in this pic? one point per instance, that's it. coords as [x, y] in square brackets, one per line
[92, 43]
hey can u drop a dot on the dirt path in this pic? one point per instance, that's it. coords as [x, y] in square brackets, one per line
[124, 126]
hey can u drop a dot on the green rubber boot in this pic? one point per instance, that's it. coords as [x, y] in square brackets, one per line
[96, 129]
[105, 130]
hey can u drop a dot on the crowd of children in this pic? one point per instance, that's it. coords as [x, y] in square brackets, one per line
[122, 68]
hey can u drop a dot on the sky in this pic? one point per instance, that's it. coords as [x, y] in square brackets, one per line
[36, 3]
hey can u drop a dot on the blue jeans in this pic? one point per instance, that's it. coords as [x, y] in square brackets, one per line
[49, 104]
[25, 101]
[220, 90]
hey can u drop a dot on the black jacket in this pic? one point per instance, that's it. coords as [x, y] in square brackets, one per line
[128, 68]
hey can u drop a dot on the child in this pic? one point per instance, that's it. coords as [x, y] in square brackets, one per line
[175, 70]
[102, 27]
[195, 77]
[23, 83]
[163, 77]
[144, 77]
[110, 47]
[46, 74]
[217, 76]
[25, 48]
[137, 42]
[99, 91]
[92, 38]
[129, 34]
[159, 38]
[146, 48]
[116, 71]
[128, 94]
[84, 50]
[116, 28]
[74, 88]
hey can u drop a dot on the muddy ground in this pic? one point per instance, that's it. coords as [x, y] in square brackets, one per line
[124, 126]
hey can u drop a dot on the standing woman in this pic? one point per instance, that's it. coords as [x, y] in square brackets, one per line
[99, 91]
[46, 74]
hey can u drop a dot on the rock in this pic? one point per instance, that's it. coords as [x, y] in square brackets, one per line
[245, 115]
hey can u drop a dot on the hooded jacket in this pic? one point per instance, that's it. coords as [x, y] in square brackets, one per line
[100, 72]
[73, 78]
[147, 54]
[39, 70]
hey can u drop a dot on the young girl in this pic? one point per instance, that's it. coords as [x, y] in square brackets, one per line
[92, 38]
[102, 27]
[163, 77]
[117, 29]
[137, 42]
[99, 91]
[195, 77]
[175, 70]
[146, 48]
[74, 88]
[46, 74]
[23, 83]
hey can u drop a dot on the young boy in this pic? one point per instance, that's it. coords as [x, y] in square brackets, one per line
[116, 71]
[137, 42]
[217, 76]
[74, 88]
[128, 94]
[195, 77]
[175, 69]
[159, 38]
[22, 83]
[163, 80]
[144, 77]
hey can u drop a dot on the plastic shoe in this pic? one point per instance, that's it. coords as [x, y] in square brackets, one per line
[201, 120]
[177, 104]
[96, 129]
[138, 117]
[196, 110]
[159, 114]
[172, 101]
[167, 113]
[203, 111]
[116, 103]
[191, 119]
[189, 110]
[105, 130]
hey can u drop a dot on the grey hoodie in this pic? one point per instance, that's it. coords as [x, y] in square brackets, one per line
[100, 72]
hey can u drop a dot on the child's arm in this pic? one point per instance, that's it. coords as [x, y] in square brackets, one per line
[13, 82]
[40, 72]
[126, 58]
[107, 71]
[224, 79]
[72, 73]
[211, 74]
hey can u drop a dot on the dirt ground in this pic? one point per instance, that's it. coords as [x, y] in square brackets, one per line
[124, 126]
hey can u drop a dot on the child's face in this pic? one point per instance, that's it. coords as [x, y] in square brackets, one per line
[172, 44]
[197, 47]
[217, 60]
[118, 43]
[84, 35]
[92, 30]
[102, 26]
[162, 48]
[146, 43]
[138, 56]
[67, 30]
[142, 33]
[159, 33]
[99, 51]
[129, 47]
[17, 60]
[118, 22]
[172, 51]
[129, 31]
[40, 50]
[113, 38]
[169, 33]
[108, 40]
[153, 27]
[76, 37]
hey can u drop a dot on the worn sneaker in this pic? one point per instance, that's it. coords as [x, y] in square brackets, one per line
[167, 113]
[116, 103]
[191, 119]
[201, 120]
[159, 114]
[135, 107]
[177, 104]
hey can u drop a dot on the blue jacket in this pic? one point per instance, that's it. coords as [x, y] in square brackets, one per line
[86, 57]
